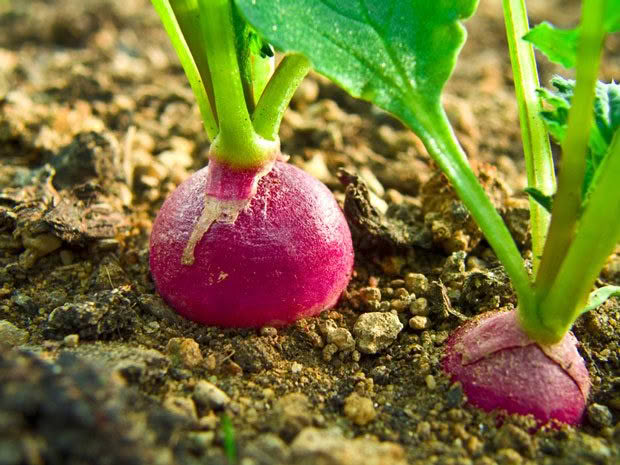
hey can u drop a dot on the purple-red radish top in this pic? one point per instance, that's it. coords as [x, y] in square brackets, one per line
[500, 367]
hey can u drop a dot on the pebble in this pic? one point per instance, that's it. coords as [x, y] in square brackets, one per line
[182, 406]
[416, 283]
[419, 307]
[399, 305]
[329, 351]
[359, 410]
[12, 335]
[370, 294]
[509, 457]
[208, 395]
[184, 351]
[376, 331]
[599, 415]
[330, 447]
[268, 331]
[418, 323]
[71, 340]
[42, 244]
[292, 413]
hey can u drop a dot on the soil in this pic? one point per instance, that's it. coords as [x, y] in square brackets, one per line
[98, 125]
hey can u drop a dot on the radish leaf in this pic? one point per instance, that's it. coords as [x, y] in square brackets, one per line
[600, 295]
[606, 120]
[396, 54]
[560, 45]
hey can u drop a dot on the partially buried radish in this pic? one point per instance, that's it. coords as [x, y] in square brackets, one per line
[500, 367]
[249, 240]
[287, 255]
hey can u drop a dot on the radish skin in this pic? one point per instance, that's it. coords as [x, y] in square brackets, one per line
[287, 255]
[499, 367]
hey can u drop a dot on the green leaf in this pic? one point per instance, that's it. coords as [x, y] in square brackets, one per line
[390, 52]
[606, 120]
[545, 201]
[600, 295]
[559, 45]
[612, 16]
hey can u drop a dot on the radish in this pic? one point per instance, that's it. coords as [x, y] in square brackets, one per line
[288, 254]
[500, 367]
[249, 240]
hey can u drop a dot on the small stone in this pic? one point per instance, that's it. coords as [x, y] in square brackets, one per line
[296, 368]
[393, 264]
[268, 331]
[200, 441]
[399, 305]
[71, 340]
[423, 430]
[24, 303]
[330, 447]
[474, 445]
[328, 351]
[181, 406]
[184, 351]
[208, 395]
[370, 294]
[416, 283]
[12, 335]
[342, 338]
[42, 244]
[419, 307]
[509, 457]
[418, 323]
[359, 410]
[430, 382]
[599, 415]
[376, 331]
[292, 413]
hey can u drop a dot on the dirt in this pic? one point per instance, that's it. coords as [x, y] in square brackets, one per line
[98, 125]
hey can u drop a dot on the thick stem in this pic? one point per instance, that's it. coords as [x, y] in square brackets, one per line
[567, 202]
[441, 143]
[536, 148]
[278, 93]
[595, 240]
[236, 144]
[192, 68]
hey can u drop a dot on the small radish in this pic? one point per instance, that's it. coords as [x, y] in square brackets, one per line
[499, 367]
[288, 254]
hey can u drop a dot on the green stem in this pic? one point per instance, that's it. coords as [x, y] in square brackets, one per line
[567, 202]
[595, 240]
[236, 144]
[278, 93]
[536, 147]
[440, 141]
[195, 72]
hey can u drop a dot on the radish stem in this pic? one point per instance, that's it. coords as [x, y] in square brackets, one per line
[278, 93]
[536, 148]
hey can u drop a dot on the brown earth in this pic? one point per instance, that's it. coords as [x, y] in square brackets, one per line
[98, 125]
